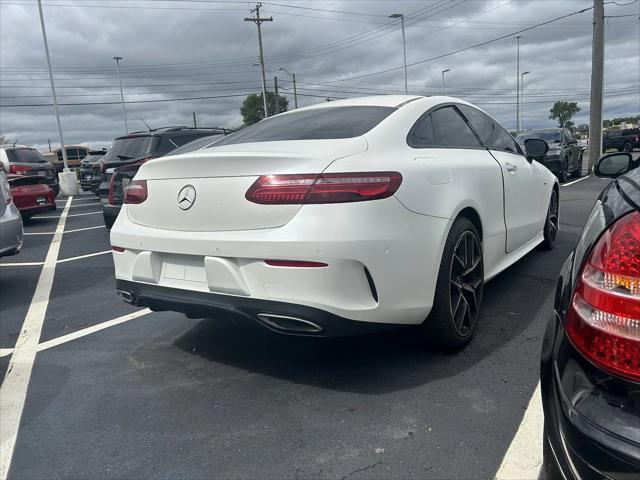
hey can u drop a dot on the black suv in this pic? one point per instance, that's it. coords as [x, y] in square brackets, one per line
[622, 140]
[139, 147]
[86, 167]
[564, 157]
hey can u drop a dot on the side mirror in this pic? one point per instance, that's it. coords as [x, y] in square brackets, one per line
[613, 165]
[535, 148]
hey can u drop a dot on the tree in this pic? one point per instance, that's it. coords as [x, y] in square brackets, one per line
[3, 140]
[563, 111]
[252, 108]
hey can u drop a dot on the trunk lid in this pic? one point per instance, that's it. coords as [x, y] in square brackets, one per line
[221, 176]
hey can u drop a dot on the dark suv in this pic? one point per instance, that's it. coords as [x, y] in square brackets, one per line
[622, 140]
[86, 167]
[564, 157]
[139, 147]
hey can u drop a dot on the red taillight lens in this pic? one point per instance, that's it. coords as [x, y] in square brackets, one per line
[19, 169]
[117, 249]
[103, 167]
[603, 321]
[295, 263]
[51, 196]
[324, 188]
[135, 192]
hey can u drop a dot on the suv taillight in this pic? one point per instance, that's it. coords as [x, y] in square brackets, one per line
[323, 188]
[112, 187]
[135, 192]
[19, 169]
[603, 321]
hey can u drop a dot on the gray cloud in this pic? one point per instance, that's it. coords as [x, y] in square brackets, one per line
[195, 49]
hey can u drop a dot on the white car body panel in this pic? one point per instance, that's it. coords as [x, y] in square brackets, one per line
[220, 244]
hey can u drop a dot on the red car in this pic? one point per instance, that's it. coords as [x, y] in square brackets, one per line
[31, 194]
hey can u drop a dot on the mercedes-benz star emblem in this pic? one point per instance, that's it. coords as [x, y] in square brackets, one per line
[186, 197]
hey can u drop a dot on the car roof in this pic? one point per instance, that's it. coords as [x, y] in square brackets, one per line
[11, 146]
[158, 132]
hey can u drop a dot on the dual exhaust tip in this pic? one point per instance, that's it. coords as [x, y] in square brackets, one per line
[279, 323]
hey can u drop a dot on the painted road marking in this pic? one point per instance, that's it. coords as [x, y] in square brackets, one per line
[13, 391]
[80, 257]
[86, 205]
[23, 264]
[89, 330]
[575, 181]
[66, 231]
[5, 351]
[74, 215]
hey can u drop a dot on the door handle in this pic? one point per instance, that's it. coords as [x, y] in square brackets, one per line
[511, 167]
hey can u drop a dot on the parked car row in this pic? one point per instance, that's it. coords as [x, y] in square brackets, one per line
[564, 157]
[22, 160]
[625, 140]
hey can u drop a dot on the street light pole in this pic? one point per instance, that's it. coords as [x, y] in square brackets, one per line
[404, 48]
[124, 112]
[258, 21]
[295, 90]
[522, 94]
[518, 83]
[443, 72]
[53, 88]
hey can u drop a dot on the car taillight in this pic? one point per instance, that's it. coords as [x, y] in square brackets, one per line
[51, 196]
[603, 321]
[103, 167]
[135, 192]
[19, 169]
[295, 264]
[323, 188]
[112, 187]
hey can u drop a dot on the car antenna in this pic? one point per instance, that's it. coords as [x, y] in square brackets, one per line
[14, 143]
[145, 124]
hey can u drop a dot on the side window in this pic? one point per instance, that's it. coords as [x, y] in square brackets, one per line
[422, 133]
[490, 132]
[451, 130]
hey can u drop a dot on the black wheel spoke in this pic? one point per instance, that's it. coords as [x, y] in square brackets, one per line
[466, 282]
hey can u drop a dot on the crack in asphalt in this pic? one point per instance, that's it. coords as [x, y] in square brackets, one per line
[363, 469]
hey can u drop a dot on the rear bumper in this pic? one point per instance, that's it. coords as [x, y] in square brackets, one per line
[591, 422]
[382, 260]
[39, 209]
[297, 319]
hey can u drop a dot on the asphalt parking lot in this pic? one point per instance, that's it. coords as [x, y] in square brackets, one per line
[157, 395]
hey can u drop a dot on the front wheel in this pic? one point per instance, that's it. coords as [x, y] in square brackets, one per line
[577, 173]
[459, 288]
[564, 171]
[627, 147]
[551, 224]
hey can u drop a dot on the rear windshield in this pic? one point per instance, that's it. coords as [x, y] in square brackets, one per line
[25, 155]
[314, 124]
[92, 158]
[549, 136]
[24, 181]
[196, 144]
[129, 148]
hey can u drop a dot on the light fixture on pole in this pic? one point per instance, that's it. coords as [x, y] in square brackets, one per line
[404, 48]
[443, 72]
[295, 91]
[518, 83]
[522, 94]
[124, 112]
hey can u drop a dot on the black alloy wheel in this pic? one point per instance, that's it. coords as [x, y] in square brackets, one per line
[627, 147]
[552, 223]
[564, 171]
[466, 283]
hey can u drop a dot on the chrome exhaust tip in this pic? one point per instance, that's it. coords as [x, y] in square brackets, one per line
[289, 324]
[128, 297]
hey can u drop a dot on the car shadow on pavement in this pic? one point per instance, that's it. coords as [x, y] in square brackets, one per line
[375, 363]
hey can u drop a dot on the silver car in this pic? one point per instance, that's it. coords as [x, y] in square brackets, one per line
[10, 221]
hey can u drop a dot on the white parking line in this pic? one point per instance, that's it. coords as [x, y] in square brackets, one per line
[66, 231]
[80, 257]
[5, 351]
[575, 181]
[86, 205]
[523, 459]
[74, 215]
[22, 264]
[89, 330]
[13, 391]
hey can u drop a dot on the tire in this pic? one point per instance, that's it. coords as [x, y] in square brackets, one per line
[627, 148]
[563, 176]
[577, 173]
[458, 297]
[552, 222]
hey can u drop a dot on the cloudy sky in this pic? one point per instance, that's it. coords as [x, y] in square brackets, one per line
[199, 55]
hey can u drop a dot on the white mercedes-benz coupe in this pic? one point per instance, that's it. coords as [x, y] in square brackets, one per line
[337, 218]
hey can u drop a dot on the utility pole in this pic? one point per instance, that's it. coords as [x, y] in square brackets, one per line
[275, 89]
[258, 21]
[295, 90]
[404, 47]
[443, 72]
[124, 112]
[53, 86]
[597, 81]
[522, 94]
[518, 83]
